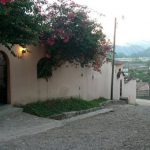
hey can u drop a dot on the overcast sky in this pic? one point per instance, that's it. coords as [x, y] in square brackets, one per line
[136, 23]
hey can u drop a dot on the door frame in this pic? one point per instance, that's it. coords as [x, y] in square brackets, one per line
[8, 100]
[121, 88]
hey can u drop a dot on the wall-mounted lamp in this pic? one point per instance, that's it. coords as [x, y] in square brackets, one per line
[22, 51]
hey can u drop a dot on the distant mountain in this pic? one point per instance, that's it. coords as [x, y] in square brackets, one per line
[140, 48]
[128, 50]
[144, 53]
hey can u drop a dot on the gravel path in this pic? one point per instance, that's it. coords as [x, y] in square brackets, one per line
[127, 128]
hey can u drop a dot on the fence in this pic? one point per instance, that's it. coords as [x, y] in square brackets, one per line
[145, 94]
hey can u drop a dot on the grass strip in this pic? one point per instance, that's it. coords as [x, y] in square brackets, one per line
[58, 106]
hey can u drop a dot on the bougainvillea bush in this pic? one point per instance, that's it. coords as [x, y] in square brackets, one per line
[74, 37]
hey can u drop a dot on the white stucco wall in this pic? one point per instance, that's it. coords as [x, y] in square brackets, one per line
[67, 81]
[75, 81]
[130, 91]
[116, 87]
[22, 74]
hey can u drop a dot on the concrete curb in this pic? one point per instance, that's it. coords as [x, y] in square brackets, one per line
[67, 115]
[87, 115]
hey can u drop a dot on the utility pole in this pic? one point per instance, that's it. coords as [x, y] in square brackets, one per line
[113, 59]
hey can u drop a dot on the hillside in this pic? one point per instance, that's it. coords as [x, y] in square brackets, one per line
[140, 49]
[144, 53]
[129, 50]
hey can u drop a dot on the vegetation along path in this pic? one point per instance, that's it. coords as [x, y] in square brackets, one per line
[127, 128]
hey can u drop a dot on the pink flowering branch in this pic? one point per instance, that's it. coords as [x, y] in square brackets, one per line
[51, 41]
[5, 1]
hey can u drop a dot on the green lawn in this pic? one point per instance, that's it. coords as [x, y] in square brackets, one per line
[58, 106]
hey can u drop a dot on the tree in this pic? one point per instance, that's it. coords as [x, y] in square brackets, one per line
[21, 22]
[143, 75]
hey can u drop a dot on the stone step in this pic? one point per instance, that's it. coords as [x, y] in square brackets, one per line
[9, 110]
[124, 99]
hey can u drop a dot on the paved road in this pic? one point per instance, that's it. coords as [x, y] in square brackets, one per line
[127, 128]
[143, 102]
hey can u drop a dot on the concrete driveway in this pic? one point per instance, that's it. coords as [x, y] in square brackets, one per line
[127, 128]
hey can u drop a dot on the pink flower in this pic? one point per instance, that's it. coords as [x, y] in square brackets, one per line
[51, 41]
[60, 31]
[66, 39]
[106, 47]
[71, 15]
[5, 1]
